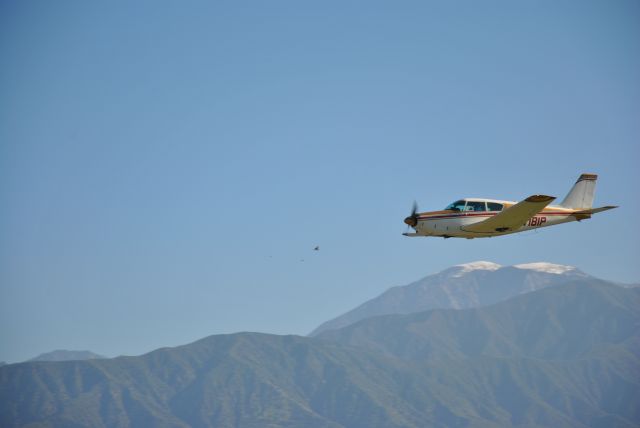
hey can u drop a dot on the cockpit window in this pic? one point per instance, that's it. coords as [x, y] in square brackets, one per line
[456, 206]
[475, 206]
[493, 206]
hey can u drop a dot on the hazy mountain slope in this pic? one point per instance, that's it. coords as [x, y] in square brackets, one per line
[248, 380]
[564, 357]
[586, 392]
[460, 287]
[291, 382]
[554, 352]
[64, 355]
[562, 322]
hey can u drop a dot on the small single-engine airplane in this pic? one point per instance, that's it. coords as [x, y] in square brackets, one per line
[480, 218]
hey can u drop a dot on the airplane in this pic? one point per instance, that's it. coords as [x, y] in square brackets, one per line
[484, 218]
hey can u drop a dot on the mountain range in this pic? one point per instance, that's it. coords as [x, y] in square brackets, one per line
[566, 355]
[463, 286]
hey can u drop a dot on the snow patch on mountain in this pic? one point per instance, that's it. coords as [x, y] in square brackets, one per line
[463, 269]
[546, 267]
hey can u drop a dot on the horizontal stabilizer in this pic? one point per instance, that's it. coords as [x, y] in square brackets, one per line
[596, 210]
[513, 217]
[585, 214]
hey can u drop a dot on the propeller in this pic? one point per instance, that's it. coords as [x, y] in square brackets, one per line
[412, 220]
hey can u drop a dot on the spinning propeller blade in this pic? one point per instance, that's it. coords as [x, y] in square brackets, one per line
[412, 220]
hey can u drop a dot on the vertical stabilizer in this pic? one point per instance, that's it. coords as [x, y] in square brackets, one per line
[581, 194]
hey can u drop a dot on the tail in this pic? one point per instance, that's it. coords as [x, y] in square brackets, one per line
[580, 197]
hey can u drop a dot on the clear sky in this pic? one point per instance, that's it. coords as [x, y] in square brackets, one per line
[165, 167]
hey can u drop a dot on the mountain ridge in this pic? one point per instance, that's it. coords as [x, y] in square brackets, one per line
[261, 380]
[462, 286]
[67, 355]
[601, 306]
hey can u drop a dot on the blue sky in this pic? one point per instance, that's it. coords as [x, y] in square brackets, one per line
[165, 167]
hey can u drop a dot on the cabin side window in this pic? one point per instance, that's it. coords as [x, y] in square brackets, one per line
[493, 206]
[475, 206]
[456, 206]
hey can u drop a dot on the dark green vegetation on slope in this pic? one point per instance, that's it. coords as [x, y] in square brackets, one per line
[562, 356]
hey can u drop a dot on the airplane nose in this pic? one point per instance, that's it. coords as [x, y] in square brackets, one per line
[411, 221]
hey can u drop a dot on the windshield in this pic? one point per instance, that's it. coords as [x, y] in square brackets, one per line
[456, 206]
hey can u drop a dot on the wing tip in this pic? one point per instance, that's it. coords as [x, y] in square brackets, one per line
[540, 198]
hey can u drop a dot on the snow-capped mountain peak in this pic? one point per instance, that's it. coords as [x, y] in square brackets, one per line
[546, 267]
[468, 285]
[460, 270]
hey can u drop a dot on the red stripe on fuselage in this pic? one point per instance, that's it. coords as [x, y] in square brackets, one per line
[485, 214]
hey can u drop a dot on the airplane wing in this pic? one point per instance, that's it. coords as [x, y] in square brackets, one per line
[513, 217]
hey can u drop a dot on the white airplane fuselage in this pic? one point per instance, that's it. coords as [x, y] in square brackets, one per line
[483, 218]
[452, 224]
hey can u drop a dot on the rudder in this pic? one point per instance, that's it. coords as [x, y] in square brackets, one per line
[581, 194]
